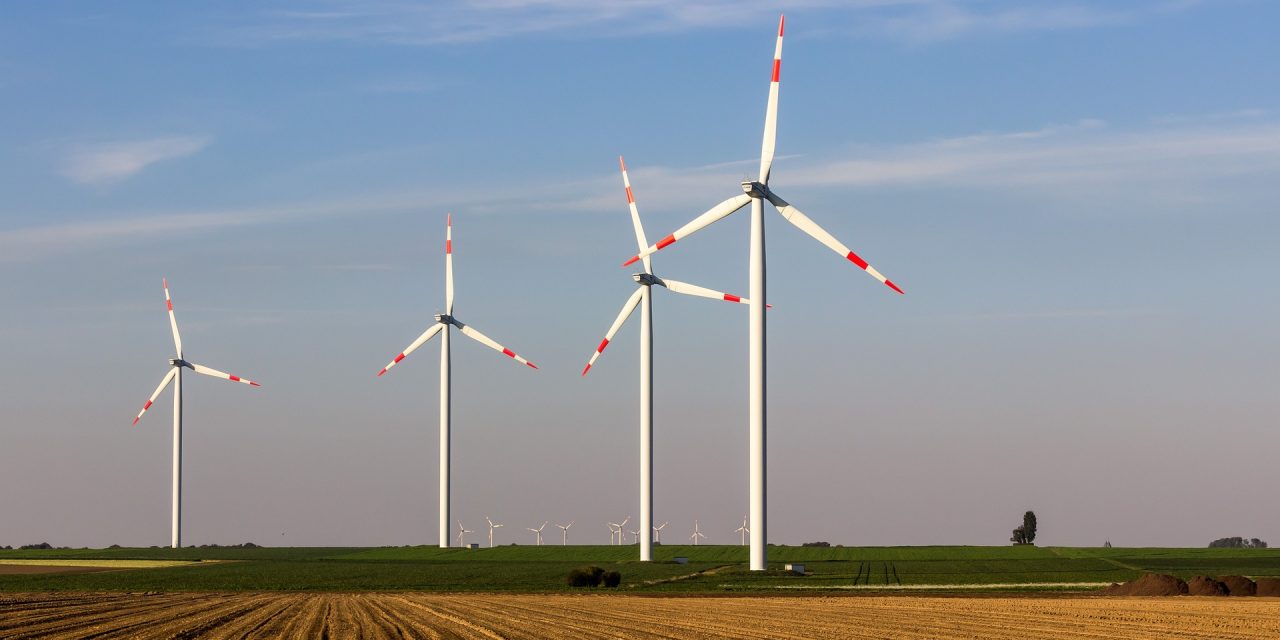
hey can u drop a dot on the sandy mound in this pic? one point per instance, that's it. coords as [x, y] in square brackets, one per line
[1151, 584]
[1206, 586]
[1269, 587]
[1239, 586]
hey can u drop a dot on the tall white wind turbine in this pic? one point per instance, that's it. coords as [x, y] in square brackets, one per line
[462, 534]
[176, 365]
[538, 532]
[744, 530]
[643, 298]
[615, 529]
[443, 322]
[564, 532]
[697, 535]
[756, 192]
[492, 525]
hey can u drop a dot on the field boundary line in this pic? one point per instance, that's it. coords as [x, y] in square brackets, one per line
[923, 587]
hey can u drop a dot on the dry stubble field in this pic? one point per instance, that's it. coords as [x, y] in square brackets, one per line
[412, 615]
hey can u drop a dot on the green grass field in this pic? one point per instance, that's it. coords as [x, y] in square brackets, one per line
[711, 568]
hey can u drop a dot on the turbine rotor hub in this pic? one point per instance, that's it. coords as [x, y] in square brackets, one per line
[179, 362]
[647, 279]
[444, 318]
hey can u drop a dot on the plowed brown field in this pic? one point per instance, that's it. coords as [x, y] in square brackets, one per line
[412, 615]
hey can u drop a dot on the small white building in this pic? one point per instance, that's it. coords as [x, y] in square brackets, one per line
[796, 568]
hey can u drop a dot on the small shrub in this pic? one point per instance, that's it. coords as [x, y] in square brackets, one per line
[612, 579]
[585, 577]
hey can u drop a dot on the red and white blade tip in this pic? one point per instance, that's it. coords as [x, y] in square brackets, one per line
[782, 22]
[862, 264]
[622, 163]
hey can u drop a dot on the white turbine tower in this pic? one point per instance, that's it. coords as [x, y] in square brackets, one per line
[176, 365]
[657, 533]
[492, 526]
[538, 532]
[696, 533]
[564, 532]
[643, 297]
[443, 322]
[462, 533]
[744, 530]
[755, 193]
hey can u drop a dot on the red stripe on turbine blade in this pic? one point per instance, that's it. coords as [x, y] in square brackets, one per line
[622, 163]
[853, 257]
[782, 22]
[777, 69]
[732, 298]
[531, 364]
[254, 384]
[448, 220]
[399, 358]
[603, 343]
[135, 421]
[586, 369]
[169, 303]
[509, 353]
[630, 198]
[667, 241]
[633, 260]
[146, 406]
[233, 378]
[381, 372]
[893, 286]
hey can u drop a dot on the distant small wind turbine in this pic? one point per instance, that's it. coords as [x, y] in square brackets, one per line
[177, 364]
[492, 526]
[538, 532]
[462, 533]
[696, 533]
[635, 536]
[615, 529]
[657, 533]
[743, 530]
[564, 531]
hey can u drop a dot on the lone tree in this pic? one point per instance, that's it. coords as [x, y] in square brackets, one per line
[1026, 533]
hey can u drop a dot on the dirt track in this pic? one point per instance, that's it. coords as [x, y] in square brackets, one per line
[411, 615]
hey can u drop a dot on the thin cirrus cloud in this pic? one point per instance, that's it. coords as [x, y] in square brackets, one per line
[455, 21]
[108, 162]
[1086, 159]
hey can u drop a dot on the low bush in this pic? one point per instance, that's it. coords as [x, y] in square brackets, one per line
[585, 577]
[612, 579]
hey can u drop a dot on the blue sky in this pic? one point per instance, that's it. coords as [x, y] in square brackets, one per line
[1078, 197]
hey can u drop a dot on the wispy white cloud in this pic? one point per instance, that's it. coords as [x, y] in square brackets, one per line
[452, 21]
[106, 162]
[1086, 159]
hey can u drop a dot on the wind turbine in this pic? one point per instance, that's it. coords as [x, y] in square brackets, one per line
[462, 532]
[756, 192]
[443, 322]
[538, 532]
[744, 530]
[657, 533]
[696, 533]
[176, 365]
[492, 526]
[635, 535]
[643, 297]
[564, 532]
[615, 528]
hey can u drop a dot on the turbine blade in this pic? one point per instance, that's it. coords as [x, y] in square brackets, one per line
[800, 220]
[714, 213]
[168, 377]
[702, 292]
[422, 339]
[771, 111]
[448, 265]
[220, 374]
[489, 342]
[627, 308]
[641, 241]
[173, 321]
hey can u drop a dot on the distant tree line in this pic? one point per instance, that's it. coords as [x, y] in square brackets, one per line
[815, 544]
[1238, 543]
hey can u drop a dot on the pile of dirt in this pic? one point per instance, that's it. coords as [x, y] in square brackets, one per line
[1268, 587]
[1206, 586]
[1151, 584]
[1239, 585]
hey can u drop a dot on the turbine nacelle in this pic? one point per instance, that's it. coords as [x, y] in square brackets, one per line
[755, 189]
[179, 362]
[444, 318]
[648, 279]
